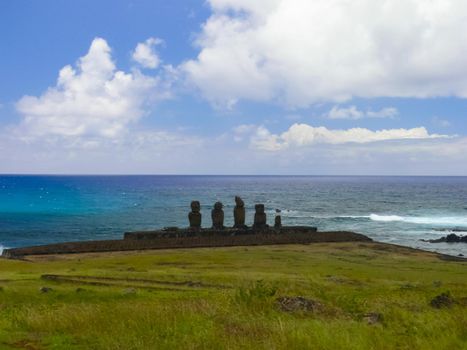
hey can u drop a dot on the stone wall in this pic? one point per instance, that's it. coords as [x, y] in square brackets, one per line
[177, 232]
[298, 236]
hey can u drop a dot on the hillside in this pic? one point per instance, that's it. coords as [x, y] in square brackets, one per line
[352, 296]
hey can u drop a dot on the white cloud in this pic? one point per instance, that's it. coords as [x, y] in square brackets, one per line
[94, 98]
[354, 113]
[301, 135]
[300, 52]
[243, 130]
[169, 152]
[145, 53]
[388, 112]
[443, 123]
[345, 113]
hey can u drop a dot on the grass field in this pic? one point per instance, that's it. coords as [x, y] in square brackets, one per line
[368, 296]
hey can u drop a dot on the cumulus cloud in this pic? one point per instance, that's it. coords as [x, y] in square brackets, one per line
[93, 98]
[301, 135]
[300, 52]
[145, 53]
[354, 113]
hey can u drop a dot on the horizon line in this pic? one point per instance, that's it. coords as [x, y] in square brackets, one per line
[258, 175]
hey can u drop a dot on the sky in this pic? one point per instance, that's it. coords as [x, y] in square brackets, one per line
[286, 87]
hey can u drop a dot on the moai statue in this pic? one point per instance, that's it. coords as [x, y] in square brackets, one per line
[195, 216]
[217, 215]
[239, 213]
[260, 217]
[277, 219]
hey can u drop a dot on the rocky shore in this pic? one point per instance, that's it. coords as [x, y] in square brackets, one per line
[451, 238]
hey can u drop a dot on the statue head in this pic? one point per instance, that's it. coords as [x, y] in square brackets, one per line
[218, 206]
[195, 206]
[239, 202]
[259, 208]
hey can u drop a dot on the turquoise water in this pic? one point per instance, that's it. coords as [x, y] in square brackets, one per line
[44, 209]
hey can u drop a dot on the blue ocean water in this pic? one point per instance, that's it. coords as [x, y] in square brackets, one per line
[402, 210]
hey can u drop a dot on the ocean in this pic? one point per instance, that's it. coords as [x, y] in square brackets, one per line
[402, 210]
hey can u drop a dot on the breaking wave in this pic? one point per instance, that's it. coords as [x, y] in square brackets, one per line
[452, 221]
[1, 249]
[441, 221]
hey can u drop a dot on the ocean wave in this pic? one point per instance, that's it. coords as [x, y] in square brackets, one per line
[1, 249]
[454, 221]
[451, 221]
[291, 213]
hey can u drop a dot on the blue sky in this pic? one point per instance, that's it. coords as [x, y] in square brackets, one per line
[233, 87]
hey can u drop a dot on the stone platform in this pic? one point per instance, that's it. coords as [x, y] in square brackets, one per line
[176, 232]
[186, 238]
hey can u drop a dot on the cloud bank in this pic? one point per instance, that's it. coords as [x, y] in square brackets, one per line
[301, 135]
[299, 52]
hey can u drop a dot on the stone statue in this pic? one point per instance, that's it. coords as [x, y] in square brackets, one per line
[260, 217]
[277, 219]
[195, 216]
[217, 215]
[239, 213]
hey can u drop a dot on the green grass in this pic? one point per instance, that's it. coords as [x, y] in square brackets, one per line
[225, 298]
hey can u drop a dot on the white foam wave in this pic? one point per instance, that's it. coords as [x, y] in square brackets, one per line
[450, 221]
[454, 221]
[1, 249]
[436, 221]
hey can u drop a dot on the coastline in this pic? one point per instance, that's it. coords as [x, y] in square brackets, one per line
[132, 246]
[42, 209]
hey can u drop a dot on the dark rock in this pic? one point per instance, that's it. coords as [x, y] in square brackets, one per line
[239, 213]
[293, 304]
[45, 289]
[451, 238]
[260, 217]
[442, 301]
[372, 318]
[217, 216]
[195, 216]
